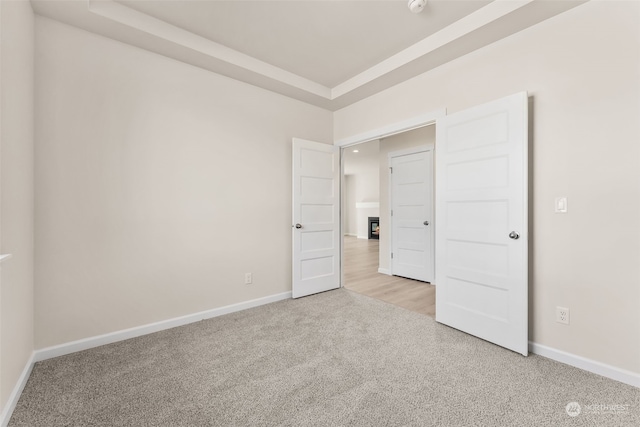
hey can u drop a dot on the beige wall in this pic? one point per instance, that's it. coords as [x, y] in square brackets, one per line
[584, 86]
[16, 192]
[349, 213]
[362, 186]
[158, 186]
[405, 140]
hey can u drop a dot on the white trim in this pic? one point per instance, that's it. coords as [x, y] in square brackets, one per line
[579, 362]
[129, 17]
[351, 234]
[384, 271]
[87, 343]
[7, 411]
[5, 257]
[430, 146]
[416, 122]
[142, 22]
[363, 237]
[367, 205]
[585, 364]
[478, 19]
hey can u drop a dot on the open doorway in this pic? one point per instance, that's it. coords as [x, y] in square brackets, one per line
[366, 191]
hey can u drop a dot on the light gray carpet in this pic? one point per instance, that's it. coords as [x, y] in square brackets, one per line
[332, 359]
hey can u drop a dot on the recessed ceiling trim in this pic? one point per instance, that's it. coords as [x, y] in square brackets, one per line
[156, 27]
[142, 22]
[477, 19]
[486, 24]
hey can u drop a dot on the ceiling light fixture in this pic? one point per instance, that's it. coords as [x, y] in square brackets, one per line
[356, 151]
[416, 6]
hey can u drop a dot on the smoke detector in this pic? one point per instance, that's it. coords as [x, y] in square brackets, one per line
[416, 6]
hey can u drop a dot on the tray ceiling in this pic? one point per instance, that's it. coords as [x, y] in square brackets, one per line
[330, 53]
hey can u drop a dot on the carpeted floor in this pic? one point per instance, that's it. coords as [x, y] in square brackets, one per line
[333, 359]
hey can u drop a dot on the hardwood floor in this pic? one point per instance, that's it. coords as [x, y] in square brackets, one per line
[361, 275]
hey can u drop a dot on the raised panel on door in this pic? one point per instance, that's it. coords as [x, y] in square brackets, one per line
[316, 216]
[481, 197]
[411, 219]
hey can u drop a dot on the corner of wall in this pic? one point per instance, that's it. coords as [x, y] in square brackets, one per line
[16, 200]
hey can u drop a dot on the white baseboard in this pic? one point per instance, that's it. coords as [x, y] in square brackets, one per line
[384, 271]
[7, 411]
[580, 362]
[87, 343]
[585, 364]
[351, 234]
[363, 237]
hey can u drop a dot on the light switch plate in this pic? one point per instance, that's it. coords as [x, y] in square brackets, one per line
[561, 205]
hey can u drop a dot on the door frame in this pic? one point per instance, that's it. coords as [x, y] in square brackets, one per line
[408, 151]
[416, 122]
[424, 120]
[393, 128]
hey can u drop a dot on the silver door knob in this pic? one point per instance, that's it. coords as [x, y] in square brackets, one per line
[298, 225]
[514, 235]
[426, 223]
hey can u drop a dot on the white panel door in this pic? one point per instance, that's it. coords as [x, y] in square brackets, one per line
[481, 222]
[316, 217]
[411, 202]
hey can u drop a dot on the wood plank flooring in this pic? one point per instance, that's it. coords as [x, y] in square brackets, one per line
[361, 275]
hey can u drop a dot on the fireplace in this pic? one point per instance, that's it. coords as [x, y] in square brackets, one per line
[374, 227]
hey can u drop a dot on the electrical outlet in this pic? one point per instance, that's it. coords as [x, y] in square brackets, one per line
[562, 315]
[248, 278]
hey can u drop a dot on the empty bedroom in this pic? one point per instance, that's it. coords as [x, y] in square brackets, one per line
[186, 240]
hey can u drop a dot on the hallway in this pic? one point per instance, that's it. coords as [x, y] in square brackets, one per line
[361, 276]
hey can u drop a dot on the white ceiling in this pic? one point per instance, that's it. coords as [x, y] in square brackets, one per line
[368, 156]
[324, 41]
[330, 53]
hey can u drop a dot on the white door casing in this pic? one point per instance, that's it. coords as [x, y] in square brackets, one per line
[411, 213]
[481, 222]
[316, 217]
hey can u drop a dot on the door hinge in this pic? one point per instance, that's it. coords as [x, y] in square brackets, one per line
[391, 255]
[391, 212]
[390, 169]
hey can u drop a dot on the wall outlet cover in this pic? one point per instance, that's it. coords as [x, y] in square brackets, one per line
[562, 315]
